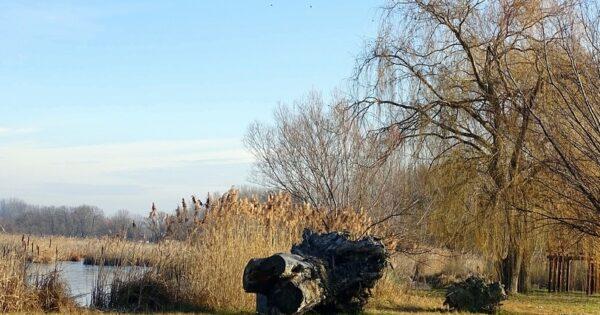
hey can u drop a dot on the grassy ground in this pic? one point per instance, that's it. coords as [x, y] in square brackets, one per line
[204, 271]
[552, 303]
[390, 299]
[539, 302]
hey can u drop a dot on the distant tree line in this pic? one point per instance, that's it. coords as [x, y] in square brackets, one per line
[17, 216]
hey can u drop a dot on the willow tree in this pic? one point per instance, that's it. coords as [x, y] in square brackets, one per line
[572, 124]
[457, 81]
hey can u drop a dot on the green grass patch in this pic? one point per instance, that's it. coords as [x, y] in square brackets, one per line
[537, 302]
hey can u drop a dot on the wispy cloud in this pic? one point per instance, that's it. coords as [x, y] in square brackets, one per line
[116, 175]
[99, 160]
[4, 131]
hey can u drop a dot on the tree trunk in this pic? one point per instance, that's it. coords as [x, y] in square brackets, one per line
[524, 275]
[510, 269]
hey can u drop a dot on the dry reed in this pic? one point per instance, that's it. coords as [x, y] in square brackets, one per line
[204, 272]
[17, 294]
[93, 250]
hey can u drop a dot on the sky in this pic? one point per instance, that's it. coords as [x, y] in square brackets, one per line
[120, 104]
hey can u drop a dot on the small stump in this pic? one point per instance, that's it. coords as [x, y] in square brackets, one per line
[475, 294]
[326, 272]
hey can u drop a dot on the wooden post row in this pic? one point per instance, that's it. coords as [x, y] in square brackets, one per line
[550, 272]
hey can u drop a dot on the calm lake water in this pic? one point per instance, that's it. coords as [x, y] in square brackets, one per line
[80, 278]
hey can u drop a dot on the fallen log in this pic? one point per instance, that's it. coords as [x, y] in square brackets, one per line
[326, 272]
[287, 282]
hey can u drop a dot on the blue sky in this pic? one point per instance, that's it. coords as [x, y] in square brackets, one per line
[122, 103]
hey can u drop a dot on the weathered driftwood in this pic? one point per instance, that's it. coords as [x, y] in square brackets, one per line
[326, 272]
[288, 283]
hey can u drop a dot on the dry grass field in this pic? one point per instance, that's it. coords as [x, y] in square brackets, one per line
[212, 284]
[203, 273]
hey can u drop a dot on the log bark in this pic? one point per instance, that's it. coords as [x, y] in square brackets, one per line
[326, 272]
[285, 283]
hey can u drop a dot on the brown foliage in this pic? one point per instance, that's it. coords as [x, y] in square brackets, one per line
[204, 271]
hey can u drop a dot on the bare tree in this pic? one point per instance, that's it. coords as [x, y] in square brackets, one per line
[318, 153]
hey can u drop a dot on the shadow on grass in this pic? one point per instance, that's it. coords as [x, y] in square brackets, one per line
[398, 309]
[409, 309]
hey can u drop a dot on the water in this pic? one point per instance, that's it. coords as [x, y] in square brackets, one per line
[80, 278]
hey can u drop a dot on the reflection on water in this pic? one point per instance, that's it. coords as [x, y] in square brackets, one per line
[80, 278]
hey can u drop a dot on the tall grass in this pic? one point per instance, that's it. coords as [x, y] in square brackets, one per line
[47, 293]
[205, 271]
[110, 251]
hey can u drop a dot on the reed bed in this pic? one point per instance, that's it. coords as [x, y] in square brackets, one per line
[198, 260]
[204, 271]
[106, 250]
[46, 293]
